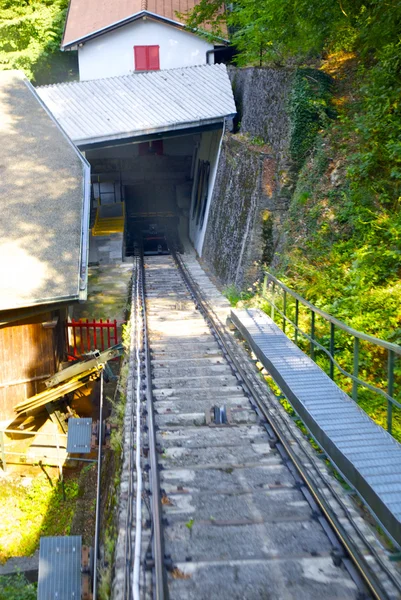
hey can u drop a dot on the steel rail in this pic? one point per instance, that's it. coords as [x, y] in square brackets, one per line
[160, 576]
[138, 460]
[357, 558]
[130, 394]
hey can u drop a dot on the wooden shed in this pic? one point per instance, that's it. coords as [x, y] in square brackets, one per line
[44, 196]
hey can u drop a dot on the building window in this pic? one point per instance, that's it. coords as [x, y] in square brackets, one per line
[146, 58]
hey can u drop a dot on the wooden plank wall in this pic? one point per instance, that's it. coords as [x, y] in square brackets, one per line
[29, 353]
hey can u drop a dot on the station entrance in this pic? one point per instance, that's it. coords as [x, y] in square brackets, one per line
[154, 189]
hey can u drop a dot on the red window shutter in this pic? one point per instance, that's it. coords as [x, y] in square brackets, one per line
[141, 58]
[146, 58]
[153, 58]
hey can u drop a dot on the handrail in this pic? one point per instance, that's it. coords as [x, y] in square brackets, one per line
[392, 349]
[359, 334]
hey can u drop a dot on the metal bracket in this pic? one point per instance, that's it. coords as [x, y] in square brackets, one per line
[218, 416]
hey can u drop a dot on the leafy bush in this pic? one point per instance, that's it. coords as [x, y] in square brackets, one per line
[16, 587]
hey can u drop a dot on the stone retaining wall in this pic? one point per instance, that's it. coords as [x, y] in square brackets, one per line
[254, 181]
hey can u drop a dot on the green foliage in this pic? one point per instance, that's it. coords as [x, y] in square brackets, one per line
[377, 123]
[30, 34]
[257, 141]
[275, 30]
[16, 587]
[309, 109]
[234, 295]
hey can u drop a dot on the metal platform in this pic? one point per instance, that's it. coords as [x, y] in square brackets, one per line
[79, 435]
[60, 568]
[366, 455]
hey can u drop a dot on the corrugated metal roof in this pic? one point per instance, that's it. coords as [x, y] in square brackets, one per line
[86, 18]
[103, 110]
[60, 568]
[44, 202]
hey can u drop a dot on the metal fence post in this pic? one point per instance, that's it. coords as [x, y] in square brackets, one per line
[356, 369]
[264, 288]
[390, 389]
[332, 350]
[284, 309]
[273, 294]
[312, 334]
[296, 319]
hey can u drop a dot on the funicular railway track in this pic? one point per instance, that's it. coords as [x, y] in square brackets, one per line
[227, 499]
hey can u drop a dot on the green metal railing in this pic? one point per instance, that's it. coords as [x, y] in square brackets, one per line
[273, 288]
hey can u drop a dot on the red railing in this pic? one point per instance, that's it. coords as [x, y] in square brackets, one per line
[84, 335]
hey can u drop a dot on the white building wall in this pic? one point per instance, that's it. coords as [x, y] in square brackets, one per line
[112, 54]
[208, 150]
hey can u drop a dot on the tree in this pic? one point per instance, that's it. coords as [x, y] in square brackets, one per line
[274, 31]
[30, 34]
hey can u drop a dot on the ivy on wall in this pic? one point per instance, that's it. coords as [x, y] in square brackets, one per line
[309, 110]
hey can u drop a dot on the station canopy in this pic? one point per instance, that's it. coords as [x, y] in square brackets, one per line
[120, 109]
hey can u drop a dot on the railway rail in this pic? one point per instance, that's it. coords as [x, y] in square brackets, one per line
[222, 496]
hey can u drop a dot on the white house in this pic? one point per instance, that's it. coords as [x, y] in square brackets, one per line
[121, 37]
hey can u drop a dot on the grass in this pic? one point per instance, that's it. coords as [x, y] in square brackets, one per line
[34, 508]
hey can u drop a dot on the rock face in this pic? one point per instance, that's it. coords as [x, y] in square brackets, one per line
[254, 179]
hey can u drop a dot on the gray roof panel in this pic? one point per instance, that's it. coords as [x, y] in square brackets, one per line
[44, 194]
[102, 110]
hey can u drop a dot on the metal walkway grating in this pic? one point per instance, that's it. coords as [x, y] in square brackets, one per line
[367, 456]
[79, 436]
[60, 568]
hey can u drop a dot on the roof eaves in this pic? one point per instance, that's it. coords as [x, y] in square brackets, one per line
[15, 314]
[41, 301]
[157, 130]
[116, 25]
[131, 19]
